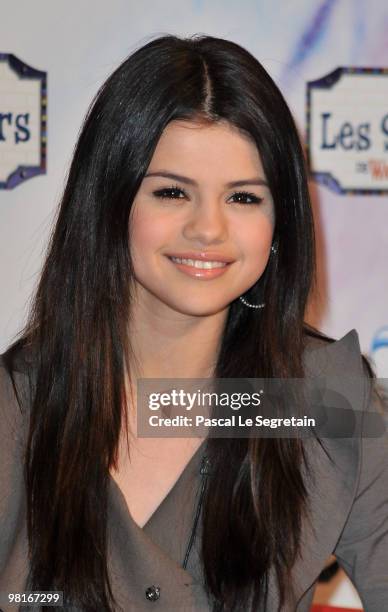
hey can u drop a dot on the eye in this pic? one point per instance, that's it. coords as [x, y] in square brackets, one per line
[171, 193]
[243, 196]
[176, 193]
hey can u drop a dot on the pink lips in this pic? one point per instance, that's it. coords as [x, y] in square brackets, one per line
[201, 273]
[202, 256]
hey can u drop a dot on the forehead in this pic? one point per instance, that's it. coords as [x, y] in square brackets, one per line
[217, 146]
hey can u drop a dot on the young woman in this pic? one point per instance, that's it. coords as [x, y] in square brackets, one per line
[183, 248]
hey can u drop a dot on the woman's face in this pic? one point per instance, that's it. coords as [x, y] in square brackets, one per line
[203, 200]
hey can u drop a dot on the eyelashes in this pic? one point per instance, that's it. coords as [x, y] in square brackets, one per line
[173, 193]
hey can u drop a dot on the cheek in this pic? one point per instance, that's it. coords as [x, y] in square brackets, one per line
[147, 233]
[255, 238]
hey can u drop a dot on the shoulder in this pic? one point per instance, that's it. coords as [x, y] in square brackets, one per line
[348, 385]
[348, 464]
[17, 366]
[349, 382]
[16, 387]
[19, 358]
[346, 378]
[14, 425]
[353, 422]
[326, 356]
[348, 477]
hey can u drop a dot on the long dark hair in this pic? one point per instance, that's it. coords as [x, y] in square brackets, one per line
[77, 331]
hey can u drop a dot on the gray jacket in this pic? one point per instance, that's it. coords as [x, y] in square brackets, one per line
[348, 512]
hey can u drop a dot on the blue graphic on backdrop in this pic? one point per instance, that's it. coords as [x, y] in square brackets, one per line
[310, 38]
[379, 351]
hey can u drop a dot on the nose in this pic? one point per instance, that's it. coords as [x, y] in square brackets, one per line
[207, 223]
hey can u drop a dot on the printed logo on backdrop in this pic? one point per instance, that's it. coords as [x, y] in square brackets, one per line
[347, 130]
[23, 119]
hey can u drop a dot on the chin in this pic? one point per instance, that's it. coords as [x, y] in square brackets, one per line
[199, 309]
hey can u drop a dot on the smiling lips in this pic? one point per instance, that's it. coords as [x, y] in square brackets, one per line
[201, 265]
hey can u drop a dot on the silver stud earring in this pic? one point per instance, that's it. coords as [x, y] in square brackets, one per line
[257, 306]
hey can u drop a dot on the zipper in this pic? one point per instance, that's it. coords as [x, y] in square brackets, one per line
[204, 471]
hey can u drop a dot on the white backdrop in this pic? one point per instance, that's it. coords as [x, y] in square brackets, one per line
[79, 44]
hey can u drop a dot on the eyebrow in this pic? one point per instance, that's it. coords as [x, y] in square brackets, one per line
[189, 181]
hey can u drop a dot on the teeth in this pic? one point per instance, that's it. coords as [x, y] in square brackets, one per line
[196, 263]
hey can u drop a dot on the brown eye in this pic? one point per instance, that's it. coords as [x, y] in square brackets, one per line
[171, 193]
[244, 196]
